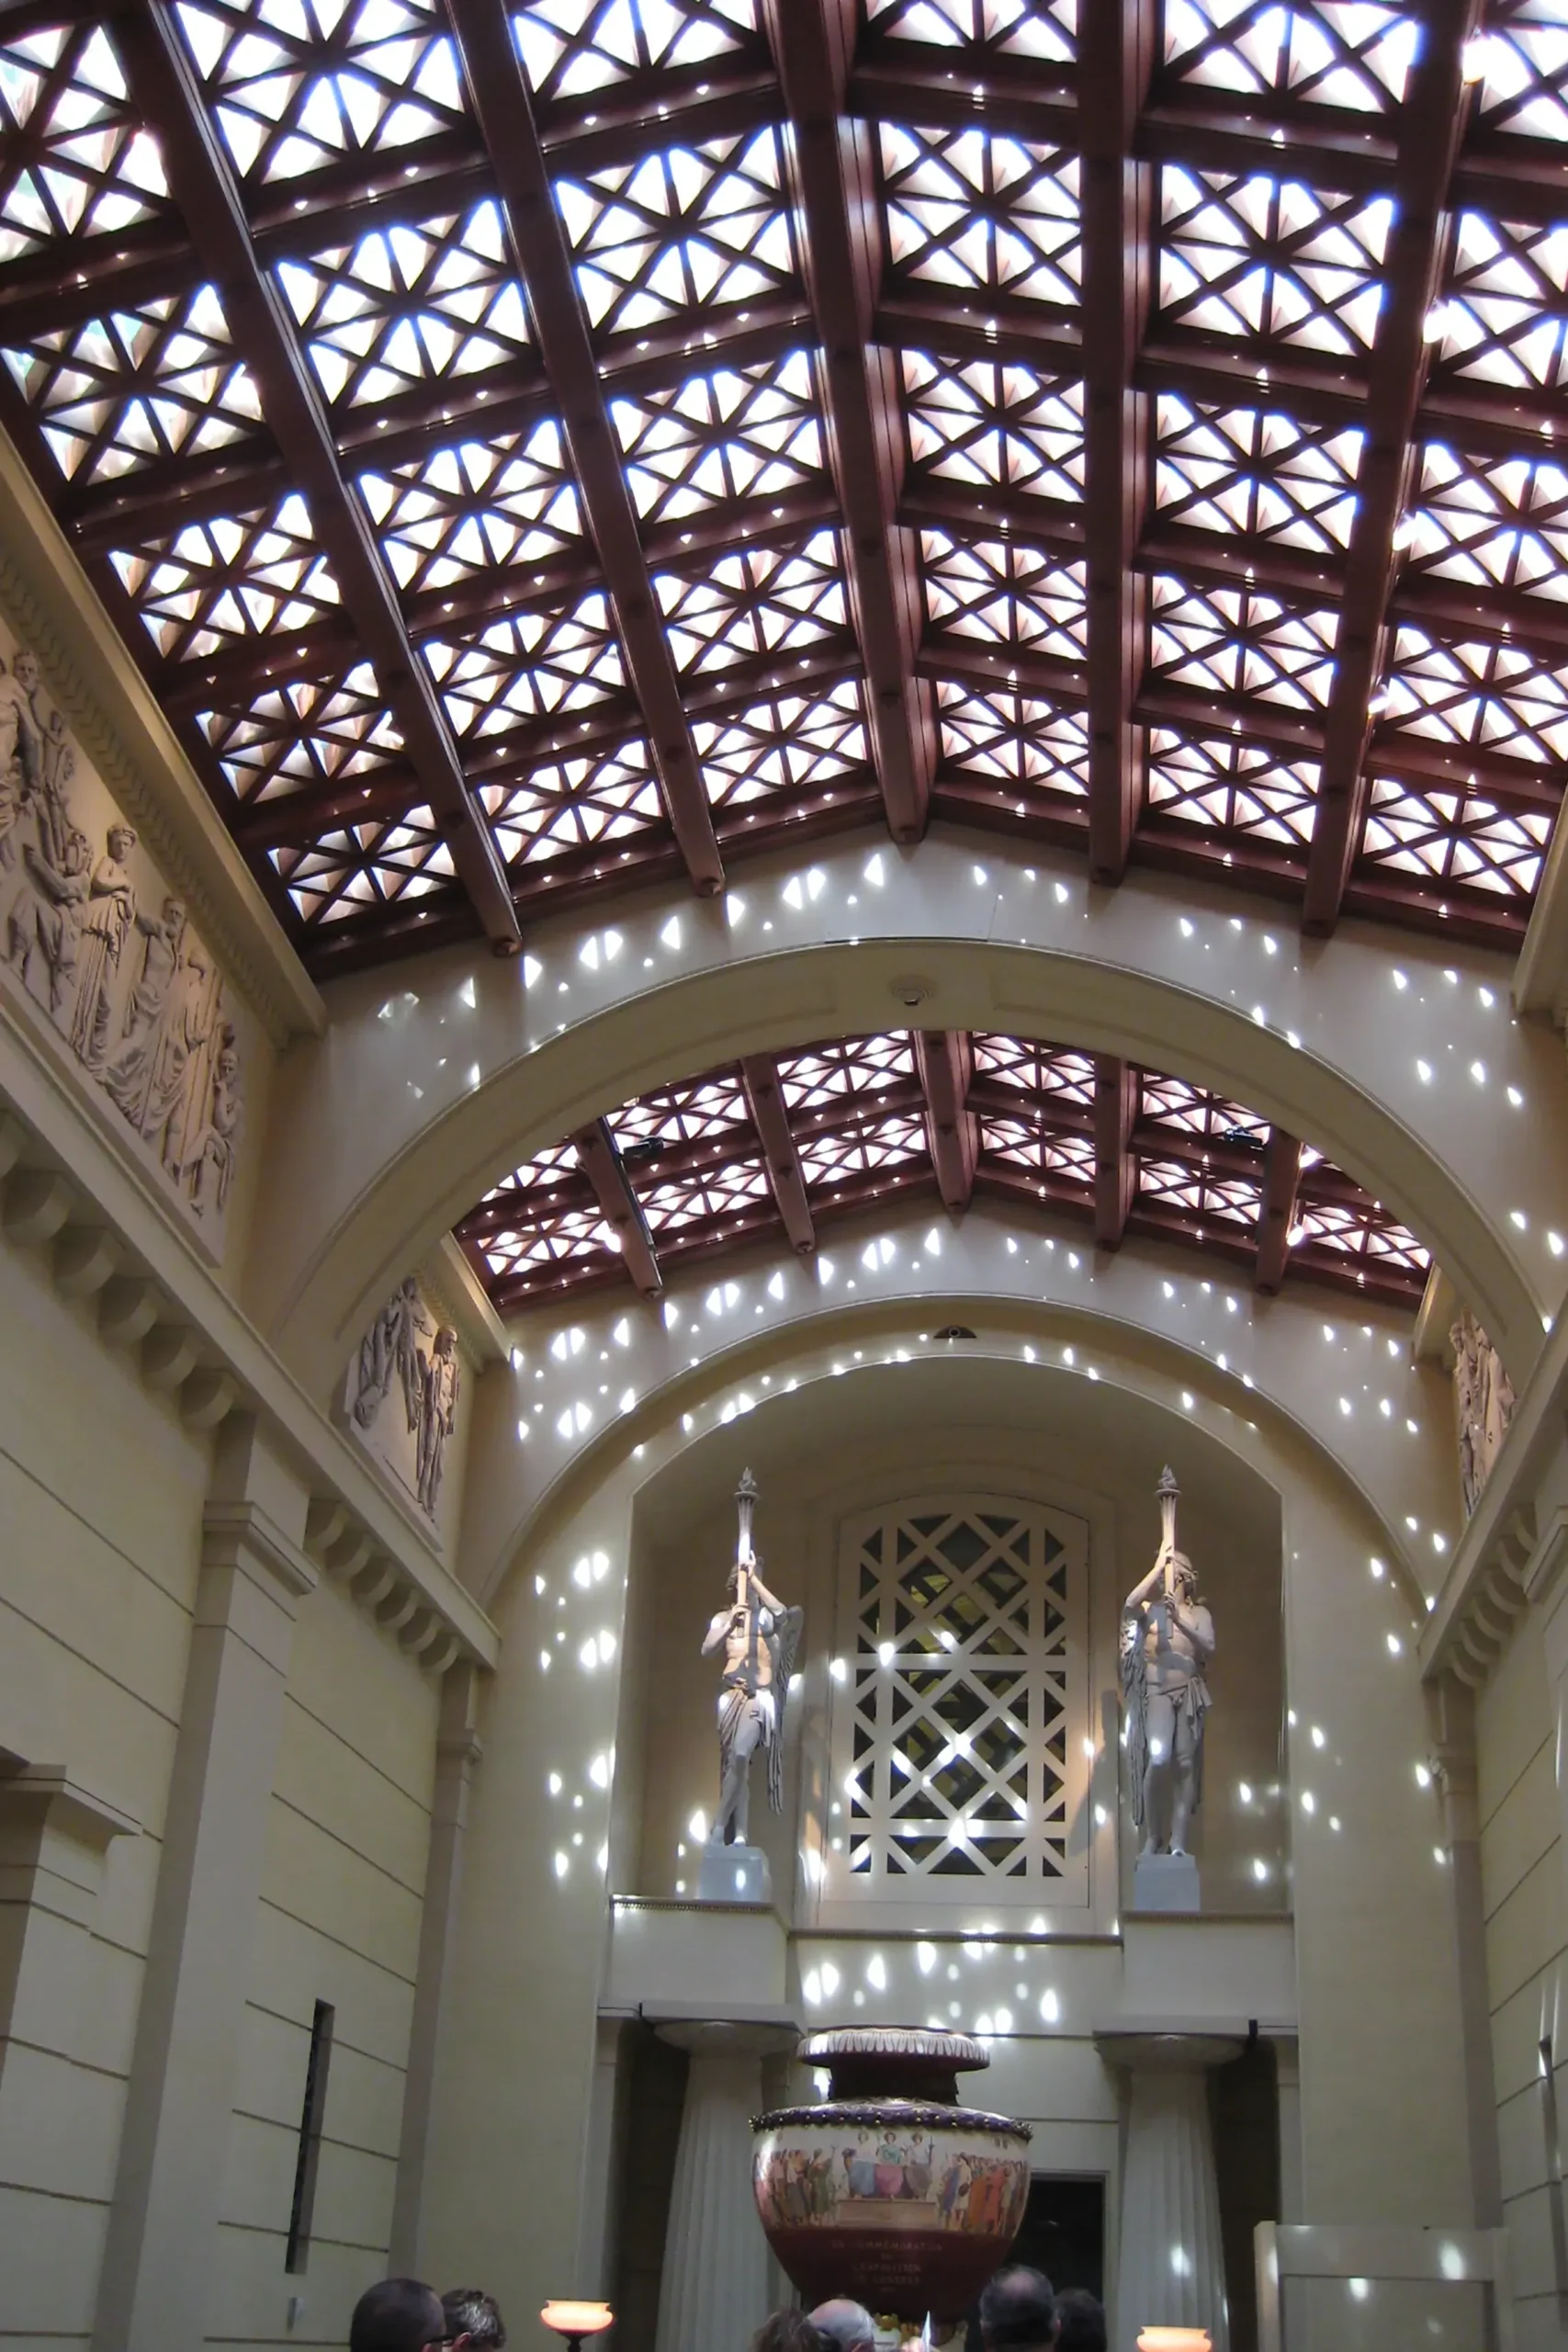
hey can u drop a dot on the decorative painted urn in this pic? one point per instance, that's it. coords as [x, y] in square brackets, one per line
[889, 2191]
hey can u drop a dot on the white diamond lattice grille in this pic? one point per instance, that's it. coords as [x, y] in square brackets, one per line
[958, 1727]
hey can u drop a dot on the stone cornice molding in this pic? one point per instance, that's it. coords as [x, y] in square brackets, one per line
[115, 715]
[244, 1536]
[114, 1249]
[67, 1806]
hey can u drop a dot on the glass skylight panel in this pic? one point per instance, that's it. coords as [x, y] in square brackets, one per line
[737, 434]
[298, 85]
[879, 1147]
[1495, 524]
[1524, 81]
[1362, 1232]
[1201, 1193]
[571, 48]
[1232, 642]
[159, 378]
[673, 1204]
[1039, 1150]
[999, 592]
[797, 744]
[542, 1177]
[982, 30]
[237, 578]
[1453, 839]
[991, 424]
[695, 1111]
[1481, 697]
[1258, 260]
[588, 801]
[1355, 54]
[476, 507]
[848, 1073]
[982, 213]
[1505, 314]
[1030, 1069]
[527, 666]
[1231, 786]
[755, 604]
[409, 306]
[1174, 1102]
[530, 1256]
[74, 160]
[358, 869]
[311, 731]
[684, 234]
[1254, 474]
[1017, 741]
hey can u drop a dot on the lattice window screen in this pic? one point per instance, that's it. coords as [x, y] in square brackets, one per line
[960, 1704]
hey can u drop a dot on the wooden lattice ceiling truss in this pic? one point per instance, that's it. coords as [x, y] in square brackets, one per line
[534, 449]
[770, 1149]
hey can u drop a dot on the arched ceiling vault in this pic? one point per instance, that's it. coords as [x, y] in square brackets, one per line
[1418, 1085]
[534, 449]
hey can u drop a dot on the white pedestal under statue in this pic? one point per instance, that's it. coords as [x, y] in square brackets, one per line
[733, 1874]
[1170, 2269]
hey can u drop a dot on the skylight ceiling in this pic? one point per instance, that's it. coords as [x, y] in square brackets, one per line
[774, 1149]
[527, 452]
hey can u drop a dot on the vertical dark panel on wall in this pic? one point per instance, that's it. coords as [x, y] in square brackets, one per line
[1244, 2105]
[312, 2112]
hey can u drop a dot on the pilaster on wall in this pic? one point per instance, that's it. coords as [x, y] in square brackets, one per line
[254, 1572]
[1453, 1712]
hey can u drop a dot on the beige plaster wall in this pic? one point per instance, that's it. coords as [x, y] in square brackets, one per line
[339, 1921]
[100, 1503]
[1375, 1992]
[1526, 1960]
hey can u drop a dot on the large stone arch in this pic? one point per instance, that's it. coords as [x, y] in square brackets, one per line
[1153, 1317]
[425, 1090]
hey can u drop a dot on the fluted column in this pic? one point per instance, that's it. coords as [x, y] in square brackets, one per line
[1170, 2269]
[714, 2289]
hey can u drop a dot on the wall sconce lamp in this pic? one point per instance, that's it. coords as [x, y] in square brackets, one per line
[1174, 2339]
[574, 2320]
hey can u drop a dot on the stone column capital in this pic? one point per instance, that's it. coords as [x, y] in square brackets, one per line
[1149, 2051]
[244, 1536]
[45, 1795]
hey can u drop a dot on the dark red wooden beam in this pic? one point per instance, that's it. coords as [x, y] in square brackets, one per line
[1116, 52]
[1431, 124]
[500, 101]
[840, 218]
[945, 1060]
[602, 1164]
[164, 87]
[770, 1116]
[1115, 1168]
[1281, 1182]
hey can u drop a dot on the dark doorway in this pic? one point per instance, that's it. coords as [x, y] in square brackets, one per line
[1064, 2231]
[1063, 2234]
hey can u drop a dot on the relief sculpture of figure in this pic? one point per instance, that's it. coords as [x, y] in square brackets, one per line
[1484, 1405]
[46, 913]
[1167, 1641]
[112, 910]
[441, 1375]
[759, 1638]
[209, 1159]
[128, 1073]
[389, 1352]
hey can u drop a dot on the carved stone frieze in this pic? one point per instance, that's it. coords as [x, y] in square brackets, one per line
[95, 945]
[403, 1392]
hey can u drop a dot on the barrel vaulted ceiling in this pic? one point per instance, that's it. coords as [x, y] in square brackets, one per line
[532, 448]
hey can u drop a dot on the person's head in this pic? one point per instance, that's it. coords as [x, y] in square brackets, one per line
[787, 2331]
[1018, 2310]
[1080, 2321]
[1184, 1575]
[471, 2312]
[397, 2315]
[122, 841]
[849, 2328]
